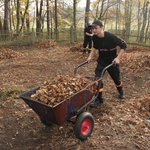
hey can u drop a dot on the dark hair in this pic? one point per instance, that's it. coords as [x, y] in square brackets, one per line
[97, 23]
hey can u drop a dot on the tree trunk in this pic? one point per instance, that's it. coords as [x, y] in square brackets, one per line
[74, 18]
[105, 22]
[117, 16]
[139, 21]
[38, 16]
[87, 10]
[51, 22]
[1, 26]
[97, 10]
[147, 28]
[48, 18]
[27, 22]
[23, 16]
[18, 15]
[102, 10]
[128, 12]
[144, 22]
[74, 13]
[6, 17]
[56, 21]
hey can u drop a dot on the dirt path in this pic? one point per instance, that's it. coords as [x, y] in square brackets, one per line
[119, 125]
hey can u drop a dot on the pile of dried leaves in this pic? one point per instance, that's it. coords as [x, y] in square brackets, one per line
[141, 105]
[6, 53]
[138, 61]
[136, 48]
[60, 88]
[77, 47]
[46, 44]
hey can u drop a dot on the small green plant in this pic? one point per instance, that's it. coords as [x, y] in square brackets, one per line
[12, 93]
[5, 93]
[15, 94]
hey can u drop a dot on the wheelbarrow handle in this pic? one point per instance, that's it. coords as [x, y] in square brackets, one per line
[75, 70]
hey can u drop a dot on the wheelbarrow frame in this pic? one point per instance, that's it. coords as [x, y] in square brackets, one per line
[69, 108]
[64, 110]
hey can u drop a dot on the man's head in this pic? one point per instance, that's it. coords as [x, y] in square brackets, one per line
[97, 28]
[88, 25]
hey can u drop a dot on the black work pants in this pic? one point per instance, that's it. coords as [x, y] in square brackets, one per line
[114, 72]
[87, 42]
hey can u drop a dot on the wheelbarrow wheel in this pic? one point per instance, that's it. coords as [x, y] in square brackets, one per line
[45, 122]
[83, 126]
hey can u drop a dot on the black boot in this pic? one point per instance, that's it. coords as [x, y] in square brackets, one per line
[98, 101]
[121, 92]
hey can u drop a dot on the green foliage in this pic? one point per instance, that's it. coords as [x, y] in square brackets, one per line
[10, 93]
[4, 94]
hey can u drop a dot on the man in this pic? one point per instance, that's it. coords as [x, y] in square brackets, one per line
[87, 38]
[106, 43]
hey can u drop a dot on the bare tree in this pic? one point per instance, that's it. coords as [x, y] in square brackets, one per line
[128, 12]
[74, 12]
[117, 14]
[6, 17]
[23, 16]
[18, 15]
[74, 18]
[48, 17]
[27, 22]
[139, 18]
[1, 26]
[103, 8]
[144, 22]
[87, 10]
[147, 33]
[39, 16]
[56, 20]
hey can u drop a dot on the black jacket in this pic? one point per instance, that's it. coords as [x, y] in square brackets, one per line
[107, 45]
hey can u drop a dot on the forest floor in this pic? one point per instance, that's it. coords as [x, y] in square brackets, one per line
[119, 125]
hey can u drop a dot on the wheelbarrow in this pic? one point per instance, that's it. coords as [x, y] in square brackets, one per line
[70, 109]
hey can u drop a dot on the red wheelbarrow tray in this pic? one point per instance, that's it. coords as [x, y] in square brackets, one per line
[64, 110]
